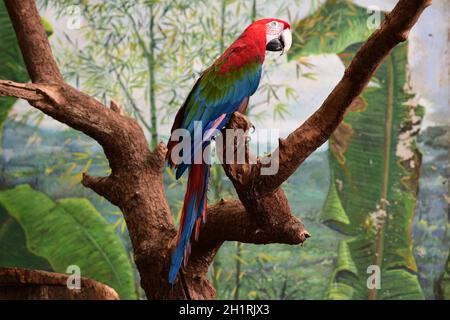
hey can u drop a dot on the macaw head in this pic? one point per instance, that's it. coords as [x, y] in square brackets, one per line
[277, 33]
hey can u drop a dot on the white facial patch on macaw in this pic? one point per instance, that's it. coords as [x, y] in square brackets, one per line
[273, 31]
[276, 30]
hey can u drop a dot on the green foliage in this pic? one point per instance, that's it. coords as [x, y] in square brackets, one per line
[442, 286]
[372, 196]
[12, 66]
[281, 271]
[330, 29]
[130, 49]
[121, 59]
[333, 212]
[13, 249]
[70, 232]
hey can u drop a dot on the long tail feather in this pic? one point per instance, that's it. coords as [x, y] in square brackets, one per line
[194, 211]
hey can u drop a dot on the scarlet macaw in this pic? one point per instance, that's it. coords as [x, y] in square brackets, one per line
[222, 89]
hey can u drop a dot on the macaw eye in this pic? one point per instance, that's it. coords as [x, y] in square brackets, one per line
[273, 24]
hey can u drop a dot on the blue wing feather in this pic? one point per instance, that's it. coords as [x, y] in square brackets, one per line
[207, 111]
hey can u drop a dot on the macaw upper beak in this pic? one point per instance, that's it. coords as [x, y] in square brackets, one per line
[282, 43]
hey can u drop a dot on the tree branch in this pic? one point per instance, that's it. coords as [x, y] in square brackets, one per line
[25, 284]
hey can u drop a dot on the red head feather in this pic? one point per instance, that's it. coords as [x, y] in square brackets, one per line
[252, 43]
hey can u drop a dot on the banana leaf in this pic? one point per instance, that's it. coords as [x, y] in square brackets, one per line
[12, 66]
[375, 168]
[67, 232]
[13, 248]
[374, 163]
[330, 29]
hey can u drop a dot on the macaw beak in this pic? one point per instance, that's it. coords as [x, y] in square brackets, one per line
[275, 45]
[282, 43]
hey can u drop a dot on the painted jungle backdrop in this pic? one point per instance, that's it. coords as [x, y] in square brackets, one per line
[375, 193]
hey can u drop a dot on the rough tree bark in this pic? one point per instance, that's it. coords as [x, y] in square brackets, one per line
[262, 214]
[25, 284]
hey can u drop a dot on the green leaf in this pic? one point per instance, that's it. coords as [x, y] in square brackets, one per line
[47, 26]
[333, 214]
[13, 249]
[280, 111]
[442, 286]
[71, 232]
[345, 261]
[327, 30]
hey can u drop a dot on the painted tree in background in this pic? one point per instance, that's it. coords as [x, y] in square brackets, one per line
[129, 53]
[374, 161]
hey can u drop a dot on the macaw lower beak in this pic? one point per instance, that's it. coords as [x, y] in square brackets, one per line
[282, 43]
